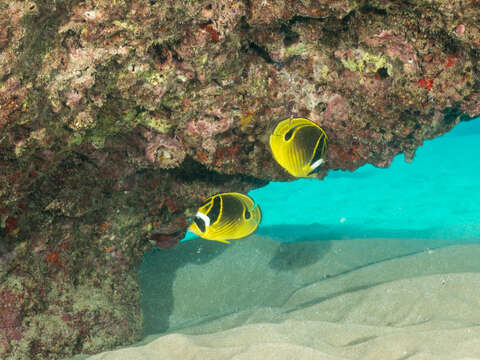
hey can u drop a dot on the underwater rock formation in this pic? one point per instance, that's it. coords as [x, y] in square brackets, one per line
[118, 117]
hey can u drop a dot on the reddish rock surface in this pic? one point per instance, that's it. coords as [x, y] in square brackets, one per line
[117, 118]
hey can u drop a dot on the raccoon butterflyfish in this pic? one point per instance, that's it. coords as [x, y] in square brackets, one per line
[226, 216]
[299, 146]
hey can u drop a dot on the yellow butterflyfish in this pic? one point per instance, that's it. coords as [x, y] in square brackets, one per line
[299, 146]
[226, 216]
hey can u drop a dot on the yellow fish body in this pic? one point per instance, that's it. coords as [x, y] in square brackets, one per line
[299, 146]
[226, 216]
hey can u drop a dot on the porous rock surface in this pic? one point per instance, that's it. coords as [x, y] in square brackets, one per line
[118, 117]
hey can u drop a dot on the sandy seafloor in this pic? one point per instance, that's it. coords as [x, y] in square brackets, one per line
[375, 264]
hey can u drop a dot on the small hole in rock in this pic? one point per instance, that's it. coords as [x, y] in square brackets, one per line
[383, 72]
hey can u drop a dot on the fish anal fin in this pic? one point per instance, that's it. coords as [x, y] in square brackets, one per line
[222, 241]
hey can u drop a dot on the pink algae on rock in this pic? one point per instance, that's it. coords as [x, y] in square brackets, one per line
[11, 316]
[206, 128]
[164, 152]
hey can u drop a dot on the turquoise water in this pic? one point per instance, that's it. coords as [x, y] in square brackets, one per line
[349, 232]
[435, 196]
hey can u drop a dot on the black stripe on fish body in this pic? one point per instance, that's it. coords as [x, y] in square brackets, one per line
[200, 224]
[216, 210]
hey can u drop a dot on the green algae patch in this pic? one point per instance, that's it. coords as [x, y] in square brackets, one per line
[365, 62]
[297, 50]
[157, 123]
[157, 78]
[113, 122]
[125, 25]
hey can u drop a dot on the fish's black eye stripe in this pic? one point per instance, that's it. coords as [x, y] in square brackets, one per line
[215, 212]
[200, 223]
[247, 214]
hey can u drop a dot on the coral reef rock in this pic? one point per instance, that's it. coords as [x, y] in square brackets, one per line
[118, 117]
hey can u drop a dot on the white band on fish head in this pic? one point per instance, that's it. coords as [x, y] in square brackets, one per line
[204, 217]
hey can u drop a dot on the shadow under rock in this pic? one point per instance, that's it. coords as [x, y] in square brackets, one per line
[156, 275]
